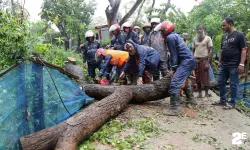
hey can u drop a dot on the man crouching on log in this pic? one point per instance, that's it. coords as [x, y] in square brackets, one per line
[182, 63]
[143, 59]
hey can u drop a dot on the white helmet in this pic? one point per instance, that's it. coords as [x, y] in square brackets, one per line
[155, 20]
[137, 27]
[114, 27]
[89, 34]
[127, 25]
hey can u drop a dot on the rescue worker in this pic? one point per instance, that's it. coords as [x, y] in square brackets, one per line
[118, 39]
[130, 33]
[142, 58]
[147, 29]
[156, 40]
[88, 50]
[137, 29]
[111, 58]
[182, 63]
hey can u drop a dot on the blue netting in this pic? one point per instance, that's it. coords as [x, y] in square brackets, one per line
[244, 93]
[29, 102]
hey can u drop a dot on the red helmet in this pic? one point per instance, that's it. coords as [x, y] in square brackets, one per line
[115, 27]
[99, 52]
[165, 26]
[127, 25]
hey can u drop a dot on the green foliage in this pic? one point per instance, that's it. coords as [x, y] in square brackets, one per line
[108, 134]
[106, 42]
[71, 17]
[56, 55]
[12, 40]
[217, 42]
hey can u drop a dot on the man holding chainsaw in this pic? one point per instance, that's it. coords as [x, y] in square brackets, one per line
[110, 59]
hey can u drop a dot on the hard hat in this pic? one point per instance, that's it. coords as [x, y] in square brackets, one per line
[185, 34]
[165, 26]
[146, 25]
[127, 25]
[99, 52]
[155, 20]
[115, 27]
[71, 59]
[89, 34]
[137, 27]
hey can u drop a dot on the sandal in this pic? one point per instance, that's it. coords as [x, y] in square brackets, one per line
[229, 106]
[219, 103]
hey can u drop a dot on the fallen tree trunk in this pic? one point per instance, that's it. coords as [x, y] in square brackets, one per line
[141, 93]
[70, 133]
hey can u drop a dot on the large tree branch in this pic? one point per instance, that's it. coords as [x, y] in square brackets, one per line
[167, 6]
[142, 93]
[150, 14]
[70, 133]
[130, 12]
[111, 14]
[139, 11]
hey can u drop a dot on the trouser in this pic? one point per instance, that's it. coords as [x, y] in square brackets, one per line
[180, 75]
[226, 73]
[91, 69]
[162, 69]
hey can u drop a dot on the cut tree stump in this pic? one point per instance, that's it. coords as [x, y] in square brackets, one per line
[68, 134]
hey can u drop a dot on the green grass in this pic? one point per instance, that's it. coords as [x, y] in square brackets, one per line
[116, 134]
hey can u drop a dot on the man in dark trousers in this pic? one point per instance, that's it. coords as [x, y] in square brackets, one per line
[88, 50]
[231, 62]
[156, 40]
[182, 63]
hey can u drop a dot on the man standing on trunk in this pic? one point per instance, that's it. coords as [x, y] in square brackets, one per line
[202, 49]
[231, 62]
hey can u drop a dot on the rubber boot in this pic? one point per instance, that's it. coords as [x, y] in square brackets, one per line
[189, 95]
[164, 73]
[174, 109]
[156, 75]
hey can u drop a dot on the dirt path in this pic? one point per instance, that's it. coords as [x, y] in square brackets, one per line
[204, 127]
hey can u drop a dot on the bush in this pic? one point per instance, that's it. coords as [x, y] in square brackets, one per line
[12, 40]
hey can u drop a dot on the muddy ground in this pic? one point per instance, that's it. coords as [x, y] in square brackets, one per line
[204, 127]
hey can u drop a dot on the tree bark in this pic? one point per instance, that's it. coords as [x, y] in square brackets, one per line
[150, 14]
[139, 12]
[141, 93]
[111, 14]
[70, 133]
[130, 12]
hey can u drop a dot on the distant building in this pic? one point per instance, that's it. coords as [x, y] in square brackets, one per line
[102, 32]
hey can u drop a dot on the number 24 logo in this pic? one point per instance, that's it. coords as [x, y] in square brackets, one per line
[238, 137]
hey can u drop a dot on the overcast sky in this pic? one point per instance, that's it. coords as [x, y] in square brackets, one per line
[34, 6]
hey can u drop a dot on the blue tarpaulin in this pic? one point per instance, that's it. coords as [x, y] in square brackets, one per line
[30, 101]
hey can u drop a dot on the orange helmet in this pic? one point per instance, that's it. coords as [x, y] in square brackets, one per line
[115, 27]
[99, 52]
[165, 26]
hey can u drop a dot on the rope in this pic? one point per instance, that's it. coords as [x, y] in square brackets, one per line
[55, 86]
